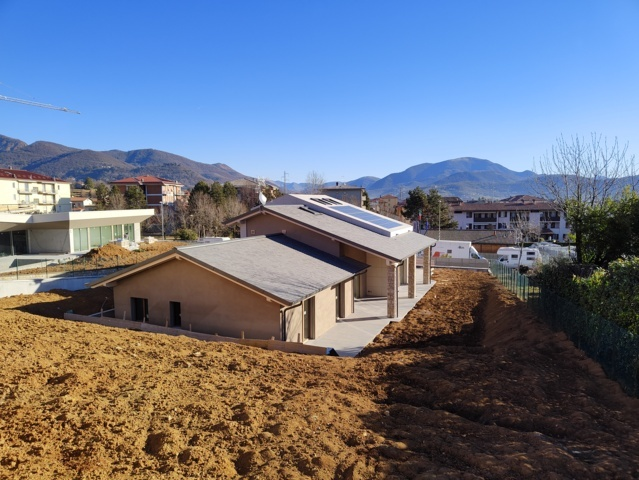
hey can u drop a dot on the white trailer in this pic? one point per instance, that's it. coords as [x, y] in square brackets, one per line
[454, 249]
[516, 257]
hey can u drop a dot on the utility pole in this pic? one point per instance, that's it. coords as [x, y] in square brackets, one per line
[439, 222]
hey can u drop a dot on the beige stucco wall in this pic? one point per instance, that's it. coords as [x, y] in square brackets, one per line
[348, 298]
[360, 256]
[293, 318]
[376, 276]
[269, 224]
[324, 314]
[209, 303]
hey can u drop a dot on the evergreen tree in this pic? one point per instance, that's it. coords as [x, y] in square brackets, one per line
[135, 198]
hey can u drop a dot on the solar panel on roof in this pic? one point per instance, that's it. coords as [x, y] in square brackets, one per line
[368, 216]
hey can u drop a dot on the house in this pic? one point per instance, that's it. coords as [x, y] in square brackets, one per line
[346, 193]
[79, 204]
[157, 191]
[23, 191]
[262, 287]
[540, 215]
[388, 246]
[301, 263]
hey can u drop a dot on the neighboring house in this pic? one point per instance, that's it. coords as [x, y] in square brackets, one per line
[80, 204]
[387, 205]
[388, 246]
[346, 193]
[158, 191]
[67, 232]
[505, 214]
[22, 191]
[261, 287]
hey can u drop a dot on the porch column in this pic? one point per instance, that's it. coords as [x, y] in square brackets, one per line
[391, 289]
[426, 264]
[412, 276]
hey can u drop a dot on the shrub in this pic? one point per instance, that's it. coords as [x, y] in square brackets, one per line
[186, 234]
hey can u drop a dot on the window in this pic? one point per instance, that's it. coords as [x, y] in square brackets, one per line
[469, 214]
[80, 239]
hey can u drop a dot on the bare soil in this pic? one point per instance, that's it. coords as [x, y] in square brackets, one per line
[469, 385]
[105, 257]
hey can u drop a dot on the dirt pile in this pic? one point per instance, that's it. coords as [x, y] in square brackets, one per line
[469, 385]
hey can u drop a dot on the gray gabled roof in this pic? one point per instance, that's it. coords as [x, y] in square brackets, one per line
[395, 248]
[277, 266]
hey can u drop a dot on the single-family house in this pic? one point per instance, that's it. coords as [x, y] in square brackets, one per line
[262, 287]
[389, 247]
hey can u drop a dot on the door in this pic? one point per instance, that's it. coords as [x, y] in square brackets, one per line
[139, 309]
[307, 324]
[175, 310]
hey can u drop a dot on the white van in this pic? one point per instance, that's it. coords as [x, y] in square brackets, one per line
[454, 249]
[516, 257]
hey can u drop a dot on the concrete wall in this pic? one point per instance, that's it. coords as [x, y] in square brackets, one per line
[209, 303]
[50, 241]
[26, 287]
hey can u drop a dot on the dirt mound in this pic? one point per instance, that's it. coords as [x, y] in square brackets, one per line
[469, 385]
[108, 251]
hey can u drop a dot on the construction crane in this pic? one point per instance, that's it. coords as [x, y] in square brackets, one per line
[37, 104]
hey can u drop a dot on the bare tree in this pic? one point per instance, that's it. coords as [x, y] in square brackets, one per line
[314, 182]
[202, 213]
[579, 175]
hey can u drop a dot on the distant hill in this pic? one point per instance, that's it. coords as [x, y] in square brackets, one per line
[75, 164]
[467, 177]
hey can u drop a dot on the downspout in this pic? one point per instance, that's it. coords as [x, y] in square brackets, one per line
[283, 319]
[397, 288]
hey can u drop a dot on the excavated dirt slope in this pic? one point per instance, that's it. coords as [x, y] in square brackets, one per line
[469, 385]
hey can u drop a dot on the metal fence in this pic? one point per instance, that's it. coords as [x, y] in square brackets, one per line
[613, 347]
[29, 269]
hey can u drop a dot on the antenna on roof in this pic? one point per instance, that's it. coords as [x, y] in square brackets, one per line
[262, 199]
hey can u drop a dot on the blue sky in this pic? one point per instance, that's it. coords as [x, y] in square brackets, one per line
[345, 88]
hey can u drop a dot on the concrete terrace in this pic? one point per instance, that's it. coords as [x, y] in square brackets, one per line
[350, 335]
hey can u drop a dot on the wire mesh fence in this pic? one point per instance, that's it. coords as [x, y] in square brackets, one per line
[613, 347]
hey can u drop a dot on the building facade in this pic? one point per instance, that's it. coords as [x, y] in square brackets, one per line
[535, 214]
[158, 191]
[23, 191]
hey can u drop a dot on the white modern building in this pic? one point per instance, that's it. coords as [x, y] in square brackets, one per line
[68, 232]
[36, 217]
[507, 214]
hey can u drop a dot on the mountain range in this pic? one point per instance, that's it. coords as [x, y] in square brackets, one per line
[467, 177]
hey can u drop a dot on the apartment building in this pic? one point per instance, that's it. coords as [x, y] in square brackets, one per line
[28, 192]
[539, 215]
[158, 191]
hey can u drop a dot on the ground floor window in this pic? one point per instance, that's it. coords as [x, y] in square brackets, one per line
[93, 237]
[13, 243]
[80, 239]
